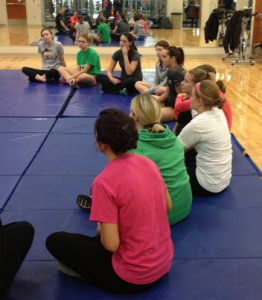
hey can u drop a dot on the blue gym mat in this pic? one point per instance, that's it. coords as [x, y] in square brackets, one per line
[7, 185]
[49, 192]
[67, 41]
[74, 125]
[30, 99]
[68, 154]
[26, 124]
[17, 150]
[187, 280]
[88, 102]
[46, 162]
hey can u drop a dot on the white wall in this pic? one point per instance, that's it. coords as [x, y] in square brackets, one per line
[206, 7]
[33, 12]
[3, 12]
[241, 3]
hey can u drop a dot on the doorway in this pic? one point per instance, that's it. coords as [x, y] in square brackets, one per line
[16, 12]
[191, 13]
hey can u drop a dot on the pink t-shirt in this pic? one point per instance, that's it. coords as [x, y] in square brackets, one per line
[130, 192]
[184, 105]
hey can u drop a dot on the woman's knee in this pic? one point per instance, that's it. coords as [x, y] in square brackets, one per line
[25, 70]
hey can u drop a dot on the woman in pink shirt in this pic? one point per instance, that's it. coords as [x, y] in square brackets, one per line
[133, 248]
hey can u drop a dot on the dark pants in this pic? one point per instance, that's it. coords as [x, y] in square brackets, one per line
[108, 86]
[15, 241]
[51, 75]
[115, 36]
[87, 257]
[61, 31]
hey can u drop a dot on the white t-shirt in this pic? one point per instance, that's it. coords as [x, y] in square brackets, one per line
[208, 132]
[83, 28]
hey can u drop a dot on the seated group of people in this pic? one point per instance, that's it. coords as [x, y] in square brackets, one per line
[160, 170]
[137, 26]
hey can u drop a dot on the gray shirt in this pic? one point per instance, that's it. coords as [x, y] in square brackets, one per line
[160, 78]
[50, 55]
[83, 28]
[139, 28]
[122, 27]
[118, 57]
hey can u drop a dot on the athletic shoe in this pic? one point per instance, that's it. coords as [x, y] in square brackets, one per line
[123, 92]
[62, 81]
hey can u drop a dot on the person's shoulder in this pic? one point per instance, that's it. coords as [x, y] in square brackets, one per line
[118, 52]
[92, 51]
[140, 159]
[136, 53]
[58, 44]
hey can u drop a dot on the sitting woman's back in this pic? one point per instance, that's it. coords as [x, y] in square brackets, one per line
[129, 201]
[158, 143]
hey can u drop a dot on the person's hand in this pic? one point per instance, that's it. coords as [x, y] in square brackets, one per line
[115, 80]
[181, 95]
[71, 81]
[185, 97]
[124, 51]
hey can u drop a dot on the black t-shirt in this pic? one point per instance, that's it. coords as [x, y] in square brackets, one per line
[118, 57]
[174, 78]
[58, 18]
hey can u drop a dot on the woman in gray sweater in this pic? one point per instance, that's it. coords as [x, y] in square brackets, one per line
[160, 81]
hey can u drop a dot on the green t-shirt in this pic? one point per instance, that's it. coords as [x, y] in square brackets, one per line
[90, 57]
[103, 29]
[168, 153]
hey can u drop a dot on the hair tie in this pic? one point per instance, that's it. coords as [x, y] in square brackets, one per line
[198, 89]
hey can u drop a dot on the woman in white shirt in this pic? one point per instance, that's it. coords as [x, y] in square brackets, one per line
[208, 133]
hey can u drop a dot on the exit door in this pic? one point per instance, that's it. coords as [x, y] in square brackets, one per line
[16, 9]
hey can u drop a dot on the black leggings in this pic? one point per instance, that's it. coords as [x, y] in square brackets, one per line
[197, 189]
[15, 241]
[115, 36]
[87, 257]
[51, 75]
[108, 86]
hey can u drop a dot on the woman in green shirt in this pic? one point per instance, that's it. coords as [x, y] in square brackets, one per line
[88, 65]
[158, 143]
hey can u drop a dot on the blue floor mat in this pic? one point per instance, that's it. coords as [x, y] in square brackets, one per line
[26, 124]
[240, 164]
[217, 247]
[88, 102]
[49, 192]
[74, 125]
[17, 150]
[207, 233]
[68, 154]
[67, 41]
[32, 99]
[203, 279]
[7, 185]
[47, 221]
